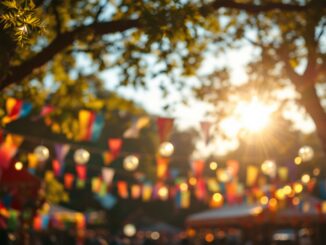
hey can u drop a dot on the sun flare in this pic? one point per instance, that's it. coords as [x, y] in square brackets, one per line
[254, 115]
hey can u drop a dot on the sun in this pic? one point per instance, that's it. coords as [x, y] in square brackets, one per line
[254, 115]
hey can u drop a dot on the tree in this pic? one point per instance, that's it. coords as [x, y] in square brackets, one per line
[145, 39]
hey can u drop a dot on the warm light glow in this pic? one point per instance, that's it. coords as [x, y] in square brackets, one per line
[217, 197]
[287, 190]
[192, 181]
[209, 237]
[163, 192]
[254, 116]
[183, 187]
[305, 178]
[316, 171]
[264, 200]
[129, 230]
[295, 201]
[272, 203]
[130, 163]
[268, 167]
[19, 166]
[213, 165]
[306, 153]
[155, 235]
[297, 188]
[166, 149]
[280, 194]
[298, 160]
[191, 232]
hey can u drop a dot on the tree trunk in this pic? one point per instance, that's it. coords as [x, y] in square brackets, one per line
[311, 103]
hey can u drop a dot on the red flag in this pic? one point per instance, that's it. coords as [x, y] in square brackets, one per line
[162, 164]
[164, 126]
[198, 167]
[68, 180]
[81, 171]
[56, 167]
[115, 145]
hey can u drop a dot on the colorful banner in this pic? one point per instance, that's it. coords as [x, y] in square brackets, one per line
[8, 149]
[90, 125]
[61, 151]
[16, 109]
[162, 167]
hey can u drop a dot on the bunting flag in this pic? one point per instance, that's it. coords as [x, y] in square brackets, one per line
[32, 162]
[90, 125]
[8, 149]
[136, 126]
[103, 189]
[115, 145]
[162, 168]
[68, 180]
[61, 151]
[107, 201]
[16, 109]
[232, 167]
[56, 167]
[45, 111]
[81, 171]
[197, 167]
[107, 157]
[107, 175]
[185, 199]
[200, 190]
[231, 192]
[123, 189]
[205, 127]
[164, 126]
[135, 191]
[96, 184]
[147, 192]
[252, 174]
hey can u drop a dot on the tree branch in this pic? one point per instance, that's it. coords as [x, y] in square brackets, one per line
[61, 42]
[254, 8]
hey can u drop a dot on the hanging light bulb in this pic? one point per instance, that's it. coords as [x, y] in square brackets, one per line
[306, 153]
[129, 230]
[268, 167]
[42, 153]
[130, 163]
[81, 156]
[166, 149]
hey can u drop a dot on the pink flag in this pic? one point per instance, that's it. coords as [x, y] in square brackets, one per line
[107, 175]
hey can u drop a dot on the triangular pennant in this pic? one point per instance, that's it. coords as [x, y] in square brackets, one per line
[68, 180]
[123, 189]
[107, 157]
[164, 126]
[115, 145]
[81, 171]
[107, 175]
[61, 151]
[162, 168]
